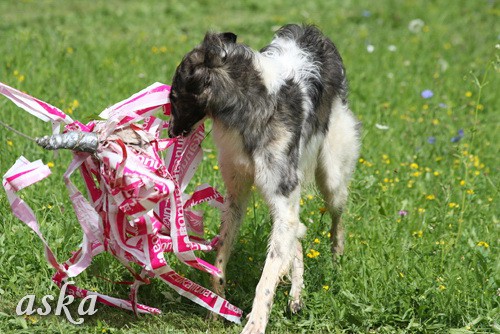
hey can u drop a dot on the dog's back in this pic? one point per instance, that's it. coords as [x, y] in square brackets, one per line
[303, 59]
[321, 52]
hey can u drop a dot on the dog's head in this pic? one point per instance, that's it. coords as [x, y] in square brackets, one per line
[200, 71]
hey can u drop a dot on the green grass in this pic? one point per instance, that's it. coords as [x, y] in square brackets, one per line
[428, 272]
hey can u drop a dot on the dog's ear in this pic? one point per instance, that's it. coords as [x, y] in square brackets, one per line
[216, 47]
[228, 37]
[219, 39]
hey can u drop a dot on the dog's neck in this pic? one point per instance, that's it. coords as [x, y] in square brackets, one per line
[244, 91]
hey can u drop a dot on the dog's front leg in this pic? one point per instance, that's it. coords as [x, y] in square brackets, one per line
[283, 245]
[238, 187]
[297, 276]
[232, 217]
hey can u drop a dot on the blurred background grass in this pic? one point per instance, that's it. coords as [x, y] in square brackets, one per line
[434, 269]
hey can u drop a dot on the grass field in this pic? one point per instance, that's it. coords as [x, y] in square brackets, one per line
[422, 225]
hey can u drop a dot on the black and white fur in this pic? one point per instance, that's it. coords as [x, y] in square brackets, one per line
[278, 115]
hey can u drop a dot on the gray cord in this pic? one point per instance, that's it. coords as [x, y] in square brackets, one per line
[17, 132]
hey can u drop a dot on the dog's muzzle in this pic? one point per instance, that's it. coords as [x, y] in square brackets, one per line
[173, 134]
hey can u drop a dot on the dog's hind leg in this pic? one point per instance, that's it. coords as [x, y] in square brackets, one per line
[336, 161]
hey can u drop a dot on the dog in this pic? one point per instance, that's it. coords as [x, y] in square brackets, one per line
[280, 117]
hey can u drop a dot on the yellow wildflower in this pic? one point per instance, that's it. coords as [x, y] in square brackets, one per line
[414, 165]
[10, 143]
[430, 197]
[442, 287]
[418, 234]
[50, 164]
[368, 163]
[313, 254]
[483, 244]
[216, 167]
[468, 94]
[326, 287]
[316, 241]
[32, 319]
[453, 205]
[436, 173]
[470, 191]
[462, 182]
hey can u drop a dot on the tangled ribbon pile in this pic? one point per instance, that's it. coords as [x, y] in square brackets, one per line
[136, 207]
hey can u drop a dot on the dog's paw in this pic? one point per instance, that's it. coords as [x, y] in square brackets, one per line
[295, 306]
[256, 325]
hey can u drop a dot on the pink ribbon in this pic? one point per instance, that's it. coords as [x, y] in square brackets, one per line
[136, 209]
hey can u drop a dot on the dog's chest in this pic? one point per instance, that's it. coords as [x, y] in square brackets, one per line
[231, 149]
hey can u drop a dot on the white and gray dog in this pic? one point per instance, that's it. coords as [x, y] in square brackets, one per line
[278, 115]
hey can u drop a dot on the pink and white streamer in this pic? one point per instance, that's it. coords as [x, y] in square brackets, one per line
[136, 209]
